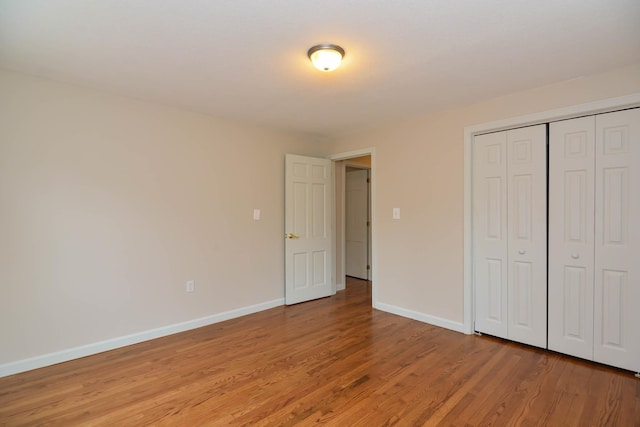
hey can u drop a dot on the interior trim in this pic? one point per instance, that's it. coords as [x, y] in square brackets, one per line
[110, 344]
[370, 151]
[425, 318]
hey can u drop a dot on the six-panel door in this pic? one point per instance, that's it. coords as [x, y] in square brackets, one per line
[308, 228]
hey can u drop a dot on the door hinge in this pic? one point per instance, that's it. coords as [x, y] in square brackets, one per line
[368, 180]
[368, 267]
[368, 224]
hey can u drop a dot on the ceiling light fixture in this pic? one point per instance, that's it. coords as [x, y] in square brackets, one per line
[326, 57]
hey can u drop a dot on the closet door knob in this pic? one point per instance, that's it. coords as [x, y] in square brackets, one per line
[521, 251]
[575, 255]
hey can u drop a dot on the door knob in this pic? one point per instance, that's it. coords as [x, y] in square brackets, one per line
[291, 236]
[521, 251]
[575, 255]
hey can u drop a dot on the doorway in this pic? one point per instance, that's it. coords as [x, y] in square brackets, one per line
[357, 221]
[354, 161]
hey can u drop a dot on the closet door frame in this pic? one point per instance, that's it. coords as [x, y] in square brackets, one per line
[602, 106]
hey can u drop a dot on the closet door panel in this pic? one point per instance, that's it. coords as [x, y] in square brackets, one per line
[490, 233]
[527, 235]
[571, 245]
[617, 240]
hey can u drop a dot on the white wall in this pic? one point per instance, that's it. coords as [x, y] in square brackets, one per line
[420, 169]
[109, 205]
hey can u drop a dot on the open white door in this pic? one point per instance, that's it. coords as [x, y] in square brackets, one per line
[308, 228]
[356, 223]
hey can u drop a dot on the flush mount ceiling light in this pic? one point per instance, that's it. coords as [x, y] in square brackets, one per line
[326, 57]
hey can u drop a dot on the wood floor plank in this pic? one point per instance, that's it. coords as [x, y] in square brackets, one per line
[334, 361]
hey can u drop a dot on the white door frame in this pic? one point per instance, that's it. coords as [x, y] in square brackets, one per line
[350, 155]
[603, 106]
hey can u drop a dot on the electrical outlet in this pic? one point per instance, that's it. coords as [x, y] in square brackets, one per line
[191, 286]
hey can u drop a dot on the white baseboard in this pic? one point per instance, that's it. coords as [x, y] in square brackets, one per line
[426, 318]
[340, 287]
[98, 347]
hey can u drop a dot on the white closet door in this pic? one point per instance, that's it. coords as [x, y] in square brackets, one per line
[527, 235]
[571, 225]
[617, 240]
[490, 233]
[509, 234]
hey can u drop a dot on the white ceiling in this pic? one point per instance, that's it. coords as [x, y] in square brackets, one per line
[246, 59]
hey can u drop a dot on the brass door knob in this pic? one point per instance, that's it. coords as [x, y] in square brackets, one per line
[291, 236]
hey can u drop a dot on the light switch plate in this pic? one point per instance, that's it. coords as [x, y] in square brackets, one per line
[396, 213]
[256, 214]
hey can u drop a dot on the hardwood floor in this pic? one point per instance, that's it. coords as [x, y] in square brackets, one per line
[333, 361]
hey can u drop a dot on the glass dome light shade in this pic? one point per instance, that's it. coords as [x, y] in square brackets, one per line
[326, 58]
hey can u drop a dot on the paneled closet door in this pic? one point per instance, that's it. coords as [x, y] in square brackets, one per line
[571, 246]
[617, 240]
[527, 235]
[490, 233]
[509, 234]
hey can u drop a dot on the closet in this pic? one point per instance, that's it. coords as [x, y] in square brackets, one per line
[582, 299]
[594, 238]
